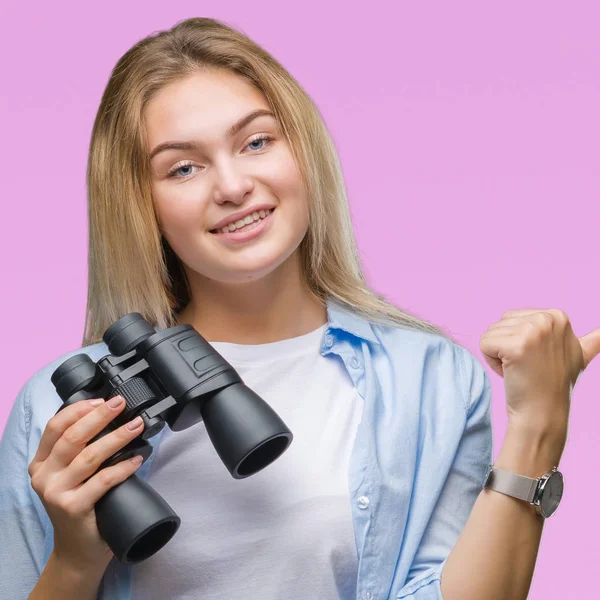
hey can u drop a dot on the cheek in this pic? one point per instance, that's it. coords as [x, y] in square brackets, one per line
[286, 183]
[175, 211]
[279, 172]
[179, 224]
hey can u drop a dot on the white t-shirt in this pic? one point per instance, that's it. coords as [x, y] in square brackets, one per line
[284, 532]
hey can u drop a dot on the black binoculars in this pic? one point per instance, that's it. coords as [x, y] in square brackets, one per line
[171, 376]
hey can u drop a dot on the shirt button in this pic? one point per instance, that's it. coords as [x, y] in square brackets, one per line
[363, 502]
[354, 362]
[369, 596]
[329, 341]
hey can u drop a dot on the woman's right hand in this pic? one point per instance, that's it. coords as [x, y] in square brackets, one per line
[63, 474]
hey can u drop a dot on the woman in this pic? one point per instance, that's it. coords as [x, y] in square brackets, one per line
[216, 199]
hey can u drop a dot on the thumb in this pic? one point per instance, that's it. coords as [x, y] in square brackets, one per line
[590, 346]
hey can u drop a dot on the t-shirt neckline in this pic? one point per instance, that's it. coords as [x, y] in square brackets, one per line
[259, 353]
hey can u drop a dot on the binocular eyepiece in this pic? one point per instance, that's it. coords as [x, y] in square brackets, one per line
[172, 376]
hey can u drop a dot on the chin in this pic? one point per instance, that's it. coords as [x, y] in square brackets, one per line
[244, 275]
[250, 264]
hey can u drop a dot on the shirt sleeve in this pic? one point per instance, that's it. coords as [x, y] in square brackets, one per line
[21, 532]
[463, 484]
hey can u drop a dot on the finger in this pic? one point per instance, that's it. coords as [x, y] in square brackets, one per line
[498, 344]
[95, 487]
[60, 422]
[522, 312]
[88, 461]
[512, 323]
[76, 437]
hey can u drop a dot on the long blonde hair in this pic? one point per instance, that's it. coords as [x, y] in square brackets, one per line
[131, 267]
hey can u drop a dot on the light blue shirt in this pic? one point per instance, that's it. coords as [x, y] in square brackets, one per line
[417, 466]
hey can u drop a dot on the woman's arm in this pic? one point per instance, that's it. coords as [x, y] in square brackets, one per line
[22, 535]
[540, 359]
[23, 573]
[495, 555]
[59, 580]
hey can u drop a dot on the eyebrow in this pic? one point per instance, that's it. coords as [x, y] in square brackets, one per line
[192, 145]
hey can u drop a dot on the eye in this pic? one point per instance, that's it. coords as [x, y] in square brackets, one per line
[184, 165]
[262, 137]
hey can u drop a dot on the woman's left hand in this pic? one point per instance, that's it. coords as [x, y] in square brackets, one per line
[540, 359]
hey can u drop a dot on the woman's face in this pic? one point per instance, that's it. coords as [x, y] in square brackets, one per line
[219, 174]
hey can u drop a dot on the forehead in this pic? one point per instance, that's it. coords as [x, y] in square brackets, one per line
[201, 106]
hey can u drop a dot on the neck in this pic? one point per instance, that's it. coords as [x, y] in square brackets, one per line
[276, 307]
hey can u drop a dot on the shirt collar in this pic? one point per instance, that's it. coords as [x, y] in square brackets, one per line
[341, 317]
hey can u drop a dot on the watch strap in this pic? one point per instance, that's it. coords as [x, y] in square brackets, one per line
[511, 484]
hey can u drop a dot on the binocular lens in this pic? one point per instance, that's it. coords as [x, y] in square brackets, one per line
[263, 456]
[135, 521]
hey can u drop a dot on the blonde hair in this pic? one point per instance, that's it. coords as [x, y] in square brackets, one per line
[131, 267]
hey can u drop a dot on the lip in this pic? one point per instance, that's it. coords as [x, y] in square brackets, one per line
[240, 215]
[231, 237]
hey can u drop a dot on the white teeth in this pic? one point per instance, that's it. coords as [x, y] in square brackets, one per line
[255, 216]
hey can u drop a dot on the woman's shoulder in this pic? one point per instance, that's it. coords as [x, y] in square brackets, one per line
[401, 340]
[423, 355]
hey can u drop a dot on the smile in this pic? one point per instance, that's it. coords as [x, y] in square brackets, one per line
[244, 223]
[244, 230]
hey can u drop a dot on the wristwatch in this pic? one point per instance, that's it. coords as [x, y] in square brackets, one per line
[543, 494]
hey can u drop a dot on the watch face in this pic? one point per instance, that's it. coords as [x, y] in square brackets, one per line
[553, 491]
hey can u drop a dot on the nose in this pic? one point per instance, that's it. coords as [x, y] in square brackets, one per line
[232, 185]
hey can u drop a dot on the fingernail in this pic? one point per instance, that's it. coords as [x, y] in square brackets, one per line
[137, 460]
[96, 402]
[116, 401]
[135, 423]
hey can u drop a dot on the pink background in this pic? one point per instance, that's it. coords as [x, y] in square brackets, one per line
[468, 135]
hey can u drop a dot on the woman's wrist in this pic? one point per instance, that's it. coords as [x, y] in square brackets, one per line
[531, 450]
[62, 579]
[75, 565]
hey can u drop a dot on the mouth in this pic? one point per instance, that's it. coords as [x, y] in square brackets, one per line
[244, 228]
